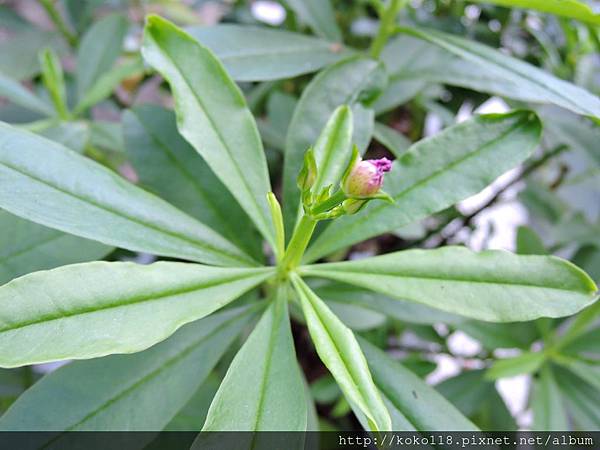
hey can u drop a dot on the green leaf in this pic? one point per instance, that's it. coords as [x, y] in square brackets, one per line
[107, 82]
[345, 294]
[86, 199]
[168, 166]
[95, 309]
[263, 389]
[391, 139]
[572, 9]
[128, 392]
[18, 94]
[319, 15]
[27, 247]
[496, 286]
[501, 335]
[54, 81]
[525, 363]
[212, 115]
[259, 54]
[413, 404]
[586, 371]
[355, 82]
[74, 135]
[193, 414]
[333, 149]
[582, 400]
[338, 349]
[504, 75]
[547, 404]
[436, 173]
[99, 49]
[529, 242]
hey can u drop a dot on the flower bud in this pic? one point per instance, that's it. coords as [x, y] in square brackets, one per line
[365, 177]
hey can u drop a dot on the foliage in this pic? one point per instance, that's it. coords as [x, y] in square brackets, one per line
[198, 257]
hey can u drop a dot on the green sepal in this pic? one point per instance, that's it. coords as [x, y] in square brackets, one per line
[308, 174]
[355, 159]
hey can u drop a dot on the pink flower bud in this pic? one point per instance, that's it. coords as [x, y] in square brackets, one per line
[365, 178]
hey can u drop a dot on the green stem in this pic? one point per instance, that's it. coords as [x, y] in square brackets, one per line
[58, 21]
[297, 246]
[386, 27]
[330, 203]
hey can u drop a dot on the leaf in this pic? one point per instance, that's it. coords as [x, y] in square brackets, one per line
[100, 47]
[496, 286]
[501, 335]
[107, 82]
[391, 139]
[263, 389]
[527, 362]
[548, 407]
[54, 81]
[18, 94]
[193, 414]
[582, 400]
[529, 242]
[355, 82]
[414, 404]
[504, 75]
[95, 309]
[572, 9]
[74, 135]
[128, 392]
[167, 165]
[86, 199]
[586, 371]
[404, 311]
[260, 54]
[212, 115]
[338, 349]
[27, 247]
[319, 15]
[436, 173]
[333, 149]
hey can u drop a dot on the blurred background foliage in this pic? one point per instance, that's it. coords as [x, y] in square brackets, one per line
[70, 68]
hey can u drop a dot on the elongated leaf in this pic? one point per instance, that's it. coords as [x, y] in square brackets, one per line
[95, 309]
[263, 389]
[212, 115]
[86, 199]
[547, 404]
[260, 54]
[586, 371]
[318, 15]
[508, 76]
[573, 9]
[414, 404]
[355, 82]
[27, 247]
[54, 81]
[525, 363]
[99, 49]
[393, 140]
[128, 392]
[338, 349]
[167, 165]
[410, 312]
[106, 83]
[436, 173]
[496, 286]
[18, 94]
[75, 135]
[582, 400]
[193, 414]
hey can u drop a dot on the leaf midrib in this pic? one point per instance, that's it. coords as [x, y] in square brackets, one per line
[199, 244]
[136, 300]
[335, 273]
